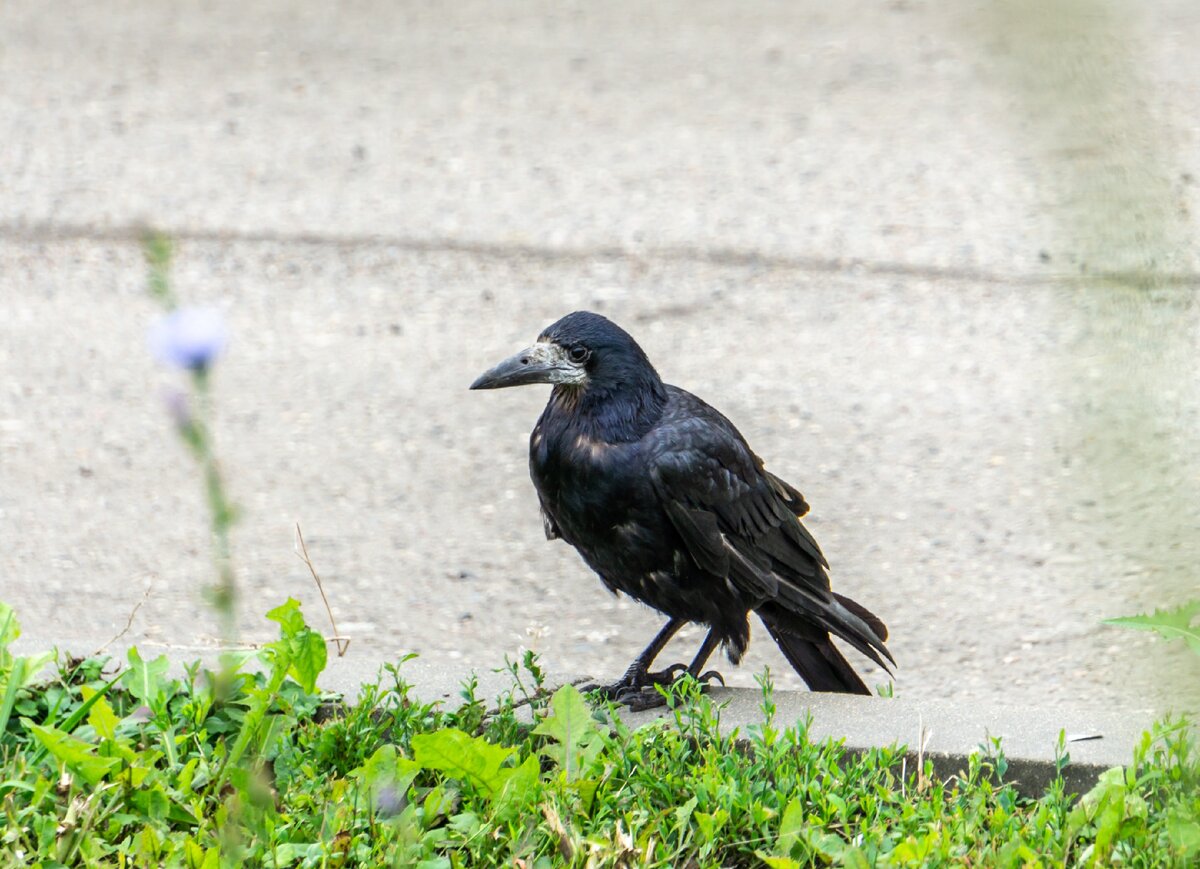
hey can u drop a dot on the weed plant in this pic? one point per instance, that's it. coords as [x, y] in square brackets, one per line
[136, 767]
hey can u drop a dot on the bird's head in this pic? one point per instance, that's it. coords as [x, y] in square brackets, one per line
[583, 354]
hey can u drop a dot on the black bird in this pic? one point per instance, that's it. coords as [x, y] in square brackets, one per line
[664, 499]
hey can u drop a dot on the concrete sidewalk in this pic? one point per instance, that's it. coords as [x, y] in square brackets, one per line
[865, 132]
[832, 222]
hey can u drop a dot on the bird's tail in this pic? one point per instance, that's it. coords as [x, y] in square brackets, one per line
[810, 651]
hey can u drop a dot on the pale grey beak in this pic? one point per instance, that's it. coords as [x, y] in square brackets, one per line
[541, 363]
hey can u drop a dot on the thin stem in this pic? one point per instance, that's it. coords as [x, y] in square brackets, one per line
[224, 593]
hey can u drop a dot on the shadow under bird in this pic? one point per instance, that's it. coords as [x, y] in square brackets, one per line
[664, 499]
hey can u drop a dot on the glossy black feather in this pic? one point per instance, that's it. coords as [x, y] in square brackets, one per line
[664, 499]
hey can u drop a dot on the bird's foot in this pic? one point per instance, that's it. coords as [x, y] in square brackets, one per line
[637, 689]
[641, 699]
[627, 684]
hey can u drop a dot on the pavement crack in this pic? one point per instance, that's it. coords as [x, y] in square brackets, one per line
[49, 232]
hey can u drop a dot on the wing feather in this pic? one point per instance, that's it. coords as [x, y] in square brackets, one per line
[740, 522]
[720, 499]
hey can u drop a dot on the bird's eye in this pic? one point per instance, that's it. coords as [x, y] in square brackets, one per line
[578, 353]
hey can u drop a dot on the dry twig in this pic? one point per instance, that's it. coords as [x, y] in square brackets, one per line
[343, 643]
[128, 622]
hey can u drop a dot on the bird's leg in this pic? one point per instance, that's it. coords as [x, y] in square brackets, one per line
[670, 674]
[638, 675]
[702, 655]
[631, 690]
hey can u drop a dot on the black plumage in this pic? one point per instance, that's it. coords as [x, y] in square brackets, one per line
[664, 499]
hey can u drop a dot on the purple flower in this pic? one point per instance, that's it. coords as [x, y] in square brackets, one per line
[390, 801]
[141, 714]
[189, 338]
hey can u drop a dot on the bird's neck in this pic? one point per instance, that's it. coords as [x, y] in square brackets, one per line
[612, 413]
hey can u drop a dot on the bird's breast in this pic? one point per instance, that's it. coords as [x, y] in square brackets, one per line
[590, 488]
[601, 498]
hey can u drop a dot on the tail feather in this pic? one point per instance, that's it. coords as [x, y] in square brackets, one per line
[819, 663]
[873, 621]
[804, 639]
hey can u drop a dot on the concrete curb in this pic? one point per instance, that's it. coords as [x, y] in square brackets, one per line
[948, 734]
[945, 733]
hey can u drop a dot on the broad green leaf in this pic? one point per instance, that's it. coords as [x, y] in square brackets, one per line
[309, 655]
[386, 770]
[791, 826]
[520, 786]
[144, 679]
[463, 757]
[183, 781]
[16, 672]
[8, 696]
[466, 824]
[288, 615]
[854, 857]
[572, 726]
[711, 824]
[778, 862]
[84, 708]
[438, 802]
[10, 629]
[834, 848]
[197, 857]
[34, 665]
[1103, 806]
[300, 650]
[570, 719]
[79, 756]
[683, 813]
[1173, 624]
[287, 853]
[153, 802]
[586, 789]
[1183, 833]
[909, 851]
[101, 716]
[212, 858]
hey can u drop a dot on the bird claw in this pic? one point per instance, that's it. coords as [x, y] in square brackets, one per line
[668, 676]
[707, 679]
[640, 699]
[638, 693]
[636, 682]
[637, 698]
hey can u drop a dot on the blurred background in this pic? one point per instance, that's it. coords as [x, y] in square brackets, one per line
[938, 266]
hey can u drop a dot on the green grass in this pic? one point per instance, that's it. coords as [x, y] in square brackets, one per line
[257, 767]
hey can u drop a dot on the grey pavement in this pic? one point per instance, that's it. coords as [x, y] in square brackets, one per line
[833, 224]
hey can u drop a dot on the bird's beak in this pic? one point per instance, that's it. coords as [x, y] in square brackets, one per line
[541, 363]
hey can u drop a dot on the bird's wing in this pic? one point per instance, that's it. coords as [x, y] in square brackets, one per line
[794, 500]
[738, 525]
[737, 520]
